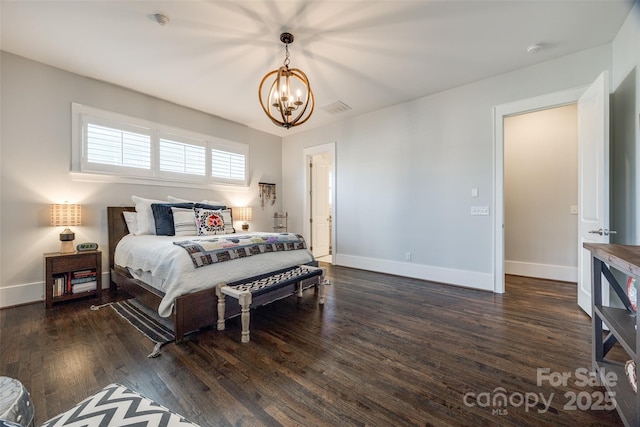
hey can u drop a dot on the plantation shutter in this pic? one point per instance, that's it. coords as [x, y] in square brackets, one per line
[118, 147]
[228, 165]
[181, 157]
[108, 143]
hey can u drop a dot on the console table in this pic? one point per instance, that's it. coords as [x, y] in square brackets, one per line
[622, 323]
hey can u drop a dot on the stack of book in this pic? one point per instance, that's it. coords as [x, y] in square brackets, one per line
[74, 282]
[83, 281]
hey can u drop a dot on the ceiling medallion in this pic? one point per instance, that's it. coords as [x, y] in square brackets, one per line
[287, 99]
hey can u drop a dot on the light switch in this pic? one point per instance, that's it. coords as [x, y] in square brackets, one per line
[573, 210]
[474, 192]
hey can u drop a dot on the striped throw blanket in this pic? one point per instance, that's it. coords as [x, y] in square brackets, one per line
[215, 249]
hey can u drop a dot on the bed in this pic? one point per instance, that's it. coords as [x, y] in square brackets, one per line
[194, 307]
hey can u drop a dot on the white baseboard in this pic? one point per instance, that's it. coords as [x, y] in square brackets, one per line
[31, 292]
[469, 279]
[543, 271]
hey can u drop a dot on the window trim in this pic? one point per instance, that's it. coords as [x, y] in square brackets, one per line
[81, 170]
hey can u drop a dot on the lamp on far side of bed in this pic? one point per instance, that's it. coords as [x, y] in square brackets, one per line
[66, 215]
[245, 214]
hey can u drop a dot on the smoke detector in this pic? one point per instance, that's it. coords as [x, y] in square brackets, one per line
[161, 19]
[534, 48]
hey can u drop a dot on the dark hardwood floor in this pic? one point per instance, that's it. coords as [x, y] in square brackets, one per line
[383, 351]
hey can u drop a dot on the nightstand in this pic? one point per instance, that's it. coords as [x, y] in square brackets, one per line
[72, 275]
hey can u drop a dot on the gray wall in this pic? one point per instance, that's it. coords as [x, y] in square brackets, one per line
[625, 131]
[35, 163]
[407, 172]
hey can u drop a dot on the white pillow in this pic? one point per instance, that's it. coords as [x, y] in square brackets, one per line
[177, 200]
[184, 222]
[146, 223]
[131, 218]
[207, 202]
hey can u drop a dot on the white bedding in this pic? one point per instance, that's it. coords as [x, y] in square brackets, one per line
[173, 272]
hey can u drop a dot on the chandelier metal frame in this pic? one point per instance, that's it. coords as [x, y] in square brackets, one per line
[280, 105]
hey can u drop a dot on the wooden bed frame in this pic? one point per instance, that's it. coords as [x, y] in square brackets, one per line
[191, 311]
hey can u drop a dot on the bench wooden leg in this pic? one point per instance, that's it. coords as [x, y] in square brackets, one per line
[299, 286]
[245, 303]
[320, 288]
[221, 307]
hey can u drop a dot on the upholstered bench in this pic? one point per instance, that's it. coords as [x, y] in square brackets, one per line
[246, 291]
[116, 405]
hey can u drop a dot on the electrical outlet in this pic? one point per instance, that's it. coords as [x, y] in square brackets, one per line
[479, 210]
[407, 256]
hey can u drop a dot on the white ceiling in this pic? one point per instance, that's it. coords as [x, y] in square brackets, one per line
[212, 55]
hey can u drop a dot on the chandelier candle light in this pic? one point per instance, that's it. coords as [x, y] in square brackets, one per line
[66, 215]
[288, 99]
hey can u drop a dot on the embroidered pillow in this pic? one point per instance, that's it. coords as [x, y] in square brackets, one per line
[210, 221]
[163, 217]
[184, 222]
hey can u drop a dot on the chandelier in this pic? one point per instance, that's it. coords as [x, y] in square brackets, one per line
[287, 99]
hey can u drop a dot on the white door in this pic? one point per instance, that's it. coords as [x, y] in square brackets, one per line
[320, 207]
[593, 181]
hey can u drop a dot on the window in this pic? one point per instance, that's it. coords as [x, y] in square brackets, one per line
[182, 157]
[228, 166]
[113, 144]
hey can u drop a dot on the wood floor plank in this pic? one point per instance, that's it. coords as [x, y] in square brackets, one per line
[383, 351]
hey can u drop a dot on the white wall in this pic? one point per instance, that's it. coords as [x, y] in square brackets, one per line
[625, 137]
[36, 143]
[540, 186]
[405, 173]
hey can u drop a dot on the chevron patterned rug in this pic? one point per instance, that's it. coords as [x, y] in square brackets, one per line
[116, 405]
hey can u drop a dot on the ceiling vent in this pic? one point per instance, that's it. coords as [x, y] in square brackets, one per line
[336, 107]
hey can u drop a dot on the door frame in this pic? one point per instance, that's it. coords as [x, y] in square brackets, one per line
[500, 112]
[308, 153]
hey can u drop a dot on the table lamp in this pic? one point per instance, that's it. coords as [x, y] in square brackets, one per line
[243, 214]
[66, 215]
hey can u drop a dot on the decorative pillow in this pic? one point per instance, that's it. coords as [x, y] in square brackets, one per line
[184, 222]
[146, 223]
[131, 218]
[172, 199]
[210, 221]
[177, 200]
[213, 207]
[163, 217]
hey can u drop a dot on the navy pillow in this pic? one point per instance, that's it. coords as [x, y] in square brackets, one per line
[212, 207]
[163, 217]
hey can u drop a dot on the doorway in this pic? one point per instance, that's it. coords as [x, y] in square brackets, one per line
[320, 201]
[541, 193]
[501, 112]
[593, 175]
